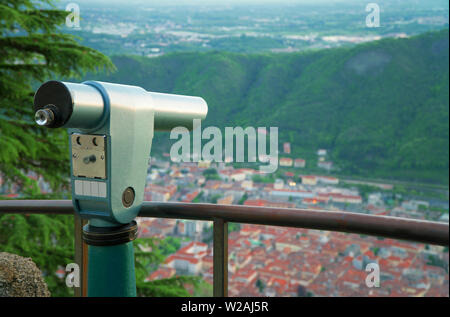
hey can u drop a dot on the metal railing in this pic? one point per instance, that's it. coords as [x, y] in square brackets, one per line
[383, 226]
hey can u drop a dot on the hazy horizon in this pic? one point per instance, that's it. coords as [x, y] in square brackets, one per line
[211, 2]
[246, 2]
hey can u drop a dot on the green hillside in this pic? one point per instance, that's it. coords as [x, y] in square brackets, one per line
[381, 108]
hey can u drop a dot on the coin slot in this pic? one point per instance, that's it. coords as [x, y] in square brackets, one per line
[88, 156]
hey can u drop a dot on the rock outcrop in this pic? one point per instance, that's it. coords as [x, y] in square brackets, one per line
[20, 277]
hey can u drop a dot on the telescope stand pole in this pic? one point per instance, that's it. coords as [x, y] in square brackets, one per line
[111, 260]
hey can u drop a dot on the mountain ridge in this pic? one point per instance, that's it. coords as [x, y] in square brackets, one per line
[380, 108]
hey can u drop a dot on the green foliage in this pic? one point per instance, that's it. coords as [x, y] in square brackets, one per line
[233, 226]
[170, 287]
[363, 189]
[203, 289]
[47, 240]
[32, 50]
[435, 260]
[375, 250]
[417, 192]
[260, 285]
[243, 199]
[263, 179]
[215, 198]
[199, 197]
[170, 245]
[438, 209]
[149, 254]
[211, 174]
[381, 108]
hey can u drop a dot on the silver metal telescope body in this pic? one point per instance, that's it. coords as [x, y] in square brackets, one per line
[83, 106]
[110, 128]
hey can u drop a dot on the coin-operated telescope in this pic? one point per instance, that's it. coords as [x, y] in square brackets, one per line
[110, 128]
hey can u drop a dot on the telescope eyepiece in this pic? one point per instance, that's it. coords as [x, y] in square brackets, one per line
[44, 117]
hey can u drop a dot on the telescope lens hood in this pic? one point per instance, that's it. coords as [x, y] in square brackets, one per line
[54, 95]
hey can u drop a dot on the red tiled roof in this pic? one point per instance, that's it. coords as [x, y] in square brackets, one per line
[161, 273]
[190, 197]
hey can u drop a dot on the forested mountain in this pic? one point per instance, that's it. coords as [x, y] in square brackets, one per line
[380, 108]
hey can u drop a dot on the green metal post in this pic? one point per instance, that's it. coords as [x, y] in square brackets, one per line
[111, 271]
[110, 259]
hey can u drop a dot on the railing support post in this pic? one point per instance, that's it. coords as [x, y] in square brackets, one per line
[80, 256]
[220, 275]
